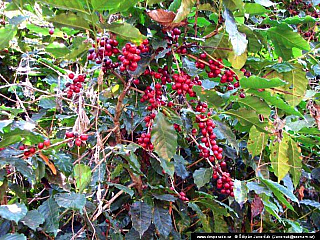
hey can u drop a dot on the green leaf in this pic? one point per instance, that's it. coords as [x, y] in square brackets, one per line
[70, 19]
[203, 218]
[13, 212]
[255, 82]
[101, 5]
[211, 97]
[13, 236]
[165, 197]
[50, 210]
[18, 135]
[279, 158]
[21, 166]
[240, 191]
[310, 203]
[271, 208]
[223, 131]
[257, 141]
[179, 166]
[247, 117]
[237, 61]
[122, 187]
[141, 216]
[82, 175]
[276, 101]
[74, 5]
[47, 103]
[184, 10]
[265, 3]
[126, 31]
[151, 2]
[234, 4]
[174, 6]
[164, 137]
[162, 220]
[33, 219]
[202, 176]
[284, 39]
[6, 35]
[295, 161]
[256, 104]
[255, 9]
[58, 50]
[71, 200]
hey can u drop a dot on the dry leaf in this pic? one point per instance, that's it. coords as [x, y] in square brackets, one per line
[301, 192]
[82, 122]
[278, 127]
[165, 18]
[314, 112]
[50, 164]
[256, 206]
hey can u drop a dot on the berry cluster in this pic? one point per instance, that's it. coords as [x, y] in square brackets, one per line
[153, 96]
[145, 141]
[183, 84]
[107, 47]
[76, 86]
[144, 47]
[201, 107]
[183, 197]
[210, 148]
[172, 35]
[79, 139]
[161, 74]
[129, 58]
[297, 6]
[224, 182]
[30, 151]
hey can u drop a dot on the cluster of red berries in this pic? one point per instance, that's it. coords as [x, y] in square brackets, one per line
[183, 84]
[296, 6]
[161, 74]
[129, 58]
[224, 182]
[79, 139]
[201, 107]
[183, 197]
[144, 46]
[210, 148]
[76, 86]
[172, 35]
[30, 151]
[153, 96]
[107, 48]
[245, 72]
[145, 141]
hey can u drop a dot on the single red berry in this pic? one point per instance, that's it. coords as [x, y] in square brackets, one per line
[223, 164]
[136, 81]
[242, 95]
[40, 145]
[47, 143]
[22, 148]
[69, 134]
[78, 142]
[84, 137]
[32, 150]
[51, 31]
[71, 75]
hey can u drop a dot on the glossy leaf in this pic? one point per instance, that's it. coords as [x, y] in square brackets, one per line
[13, 212]
[184, 10]
[203, 218]
[202, 176]
[74, 5]
[6, 35]
[141, 216]
[126, 31]
[70, 20]
[33, 219]
[257, 141]
[209, 96]
[50, 210]
[162, 220]
[71, 200]
[255, 82]
[256, 104]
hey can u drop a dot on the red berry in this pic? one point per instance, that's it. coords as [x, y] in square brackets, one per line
[69, 134]
[84, 137]
[78, 142]
[51, 31]
[32, 150]
[47, 143]
[71, 75]
[22, 148]
[223, 164]
[40, 145]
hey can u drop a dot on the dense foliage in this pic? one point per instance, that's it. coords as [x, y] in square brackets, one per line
[156, 119]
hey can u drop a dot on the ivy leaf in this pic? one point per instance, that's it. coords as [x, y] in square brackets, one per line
[295, 161]
[164, 137]
[82, 175]
[6, 35]
[202, 176]
[33, 219]
[126, 31]
[70, 19]
[74, 5]
[50, 210]
[255, 82]
[257, 141]
[71, 200]
[141, 216]
[284, 39]
[162, 220]
[276, 101]
[238, 40]
[13, 212]
[279, 158]
[184, 10]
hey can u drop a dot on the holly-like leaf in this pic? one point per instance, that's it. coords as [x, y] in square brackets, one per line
[82, 175]
[284, 39]
[141, 216]
[295, 161]
[257, 141]
[33, 219]
[13, 212]
[184, 10]
[279, 158]
[164, 137]
[162, 220]
[50, 210]
[202, 176]
[6, 35]
[71, 200]
[276, 101]
[255, 82]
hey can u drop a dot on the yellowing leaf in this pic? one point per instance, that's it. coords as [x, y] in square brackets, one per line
[294, 155]
[257, 141]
